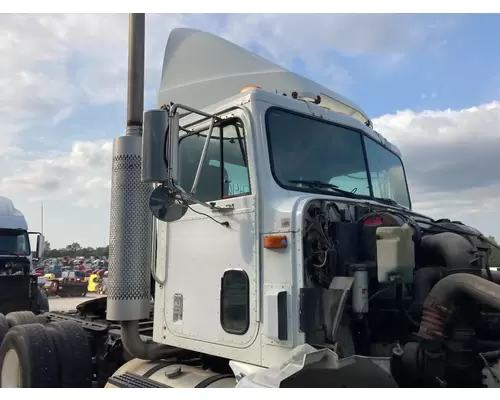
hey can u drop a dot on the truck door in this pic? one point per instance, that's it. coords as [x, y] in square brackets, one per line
[211, 292]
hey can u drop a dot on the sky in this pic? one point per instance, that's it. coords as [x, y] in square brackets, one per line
[431, 84]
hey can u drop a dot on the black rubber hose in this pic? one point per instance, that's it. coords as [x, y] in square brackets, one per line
[425, 279]
[476, 287]
[453, 250]
[423, 282]
[442, 296]
[495, 275]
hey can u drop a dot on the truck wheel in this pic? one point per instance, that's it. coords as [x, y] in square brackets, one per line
[21, 318]
[42, 319]
[28, 359]
[4, 327]
[73, 353]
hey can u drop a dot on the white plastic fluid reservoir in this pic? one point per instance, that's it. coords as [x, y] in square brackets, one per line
[395, 253]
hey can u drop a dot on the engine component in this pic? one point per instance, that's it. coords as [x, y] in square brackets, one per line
[418, 279]
[423, 281]
[447, 354]
[360, 291]
[442, 296]
[450, 250]
[491, 373]
[395, 253]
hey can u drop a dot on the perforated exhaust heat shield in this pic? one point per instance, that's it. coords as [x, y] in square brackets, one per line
[128, 292]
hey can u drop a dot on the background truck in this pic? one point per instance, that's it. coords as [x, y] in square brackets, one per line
[262, 236]
[18, 288]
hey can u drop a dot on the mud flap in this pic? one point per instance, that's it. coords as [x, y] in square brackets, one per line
[311, 368]
[16, 292]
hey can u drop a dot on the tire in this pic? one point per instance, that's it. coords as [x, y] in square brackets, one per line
[21, 318]
[42, 319]
[73, 353]
[28, 358]
[4, 327]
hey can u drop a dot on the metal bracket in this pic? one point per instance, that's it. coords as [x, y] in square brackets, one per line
[223, 209]
[185, 197]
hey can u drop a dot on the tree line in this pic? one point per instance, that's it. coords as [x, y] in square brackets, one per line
[75, 250]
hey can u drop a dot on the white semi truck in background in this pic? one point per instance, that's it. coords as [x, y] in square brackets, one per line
[272, 227]
[14, 235]
[18, 288]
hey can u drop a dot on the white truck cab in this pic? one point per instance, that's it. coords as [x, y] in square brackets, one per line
[252, 164]
[272, 153]
[283, 241]
[15, 249]
[264, 160]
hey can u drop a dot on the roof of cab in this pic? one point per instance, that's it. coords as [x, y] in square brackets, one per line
[205, 72]
[11, 217]
[200, 69]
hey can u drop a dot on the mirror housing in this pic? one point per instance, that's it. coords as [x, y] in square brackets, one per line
[40, 244]
[160, 146]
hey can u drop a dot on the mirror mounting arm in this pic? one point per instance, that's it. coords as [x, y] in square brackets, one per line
[185, 197]
[202, 157]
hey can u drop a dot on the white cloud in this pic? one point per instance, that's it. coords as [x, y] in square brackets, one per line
[53, 64]
[79, 177]
[74, 189]
[451, 160]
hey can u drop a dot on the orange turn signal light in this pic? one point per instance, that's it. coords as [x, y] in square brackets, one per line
[275, 242]
[249, 87]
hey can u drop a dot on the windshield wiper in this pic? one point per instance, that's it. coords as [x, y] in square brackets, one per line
[324, 185]
[388, 201]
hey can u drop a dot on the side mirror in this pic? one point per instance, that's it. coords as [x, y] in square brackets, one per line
[40, 246]
[163, 205]
[160, 147]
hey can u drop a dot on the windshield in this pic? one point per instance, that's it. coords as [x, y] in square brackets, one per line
[306, 149]
[14, 241]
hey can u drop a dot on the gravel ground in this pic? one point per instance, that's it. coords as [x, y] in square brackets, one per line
[69, 303]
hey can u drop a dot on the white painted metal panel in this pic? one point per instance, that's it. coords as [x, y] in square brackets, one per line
[199, 251]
